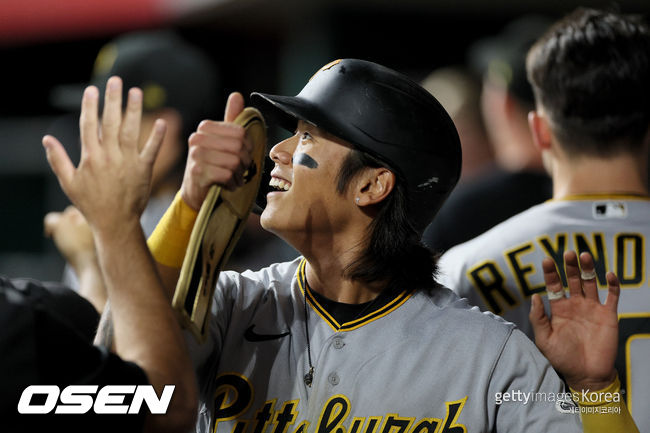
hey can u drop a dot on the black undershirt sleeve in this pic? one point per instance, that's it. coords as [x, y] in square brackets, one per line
[38, 347]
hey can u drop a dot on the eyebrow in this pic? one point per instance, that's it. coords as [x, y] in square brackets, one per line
[318, 133]
[309, 127]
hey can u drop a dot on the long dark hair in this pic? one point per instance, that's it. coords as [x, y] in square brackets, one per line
[394, 253]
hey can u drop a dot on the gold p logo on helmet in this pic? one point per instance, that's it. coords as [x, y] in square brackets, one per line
[326, 67]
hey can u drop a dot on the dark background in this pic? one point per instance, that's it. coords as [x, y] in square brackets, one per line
[269, 46]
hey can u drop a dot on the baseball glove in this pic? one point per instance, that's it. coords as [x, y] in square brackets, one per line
[217, 229]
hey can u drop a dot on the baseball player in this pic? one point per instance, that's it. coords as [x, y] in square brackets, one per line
[355, 335]
[590, 76]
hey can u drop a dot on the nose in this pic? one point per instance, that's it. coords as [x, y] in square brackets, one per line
[282, 152]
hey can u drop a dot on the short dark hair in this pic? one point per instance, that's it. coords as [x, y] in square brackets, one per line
[591, 73]
[394, 253]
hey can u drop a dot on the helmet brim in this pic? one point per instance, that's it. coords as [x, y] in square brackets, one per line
[284, 111]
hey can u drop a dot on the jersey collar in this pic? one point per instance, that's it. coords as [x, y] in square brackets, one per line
[381, 309]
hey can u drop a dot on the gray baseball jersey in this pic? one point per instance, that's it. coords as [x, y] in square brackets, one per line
[422, 363]
[500, 270]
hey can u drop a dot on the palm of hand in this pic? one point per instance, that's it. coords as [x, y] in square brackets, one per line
[580, 339]
[112, 183]
[583, 341]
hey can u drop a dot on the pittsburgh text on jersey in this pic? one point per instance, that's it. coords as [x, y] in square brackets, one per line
[235, 394]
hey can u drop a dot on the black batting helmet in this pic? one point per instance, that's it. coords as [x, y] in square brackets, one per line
[385, 114]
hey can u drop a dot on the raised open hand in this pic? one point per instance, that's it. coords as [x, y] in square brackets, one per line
[112, 183]
[581, 336]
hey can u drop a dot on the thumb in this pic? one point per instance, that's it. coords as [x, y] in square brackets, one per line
[539, 320]
[59, 161]
[234, 106]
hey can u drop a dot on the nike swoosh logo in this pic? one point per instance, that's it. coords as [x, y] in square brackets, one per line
[252, 336]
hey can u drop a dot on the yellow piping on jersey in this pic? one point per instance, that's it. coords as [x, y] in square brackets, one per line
[633, 315]
[628, 366]
[603, 196]
[394, 304]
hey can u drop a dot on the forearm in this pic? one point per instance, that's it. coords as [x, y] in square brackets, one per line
[605, 411]
[169, 277]
[139, 308]
[168, 243]
[145, 329]
[91, 284]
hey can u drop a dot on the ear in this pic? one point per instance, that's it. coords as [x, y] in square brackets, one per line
[374, 186]
[540, 130]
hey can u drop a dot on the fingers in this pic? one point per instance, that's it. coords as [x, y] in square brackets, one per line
[539, 320]
[234, 106]
[210, 167]
[112, 116]
[227, 137]
[588, 277]
[206, 176]
[224, 159]
[73, 214]
[225, 141]
[130, 130]
[222, 129]
[53, 220]
[217, 154]
[613, 293]
[59, 161]
[50, 222]
[222, 146]
[88, 123]
[554, 287]
[152, 146]
[573, 273]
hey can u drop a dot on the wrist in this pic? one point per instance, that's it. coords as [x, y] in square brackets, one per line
[591, 385]
[170, 238]
[190, 200]
[117, 232]
[598, 396]
[84, 261]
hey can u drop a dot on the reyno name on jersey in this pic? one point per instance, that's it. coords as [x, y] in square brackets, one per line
[623, 254]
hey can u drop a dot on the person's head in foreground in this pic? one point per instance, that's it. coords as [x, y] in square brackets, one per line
[372, 159]
[590, 75]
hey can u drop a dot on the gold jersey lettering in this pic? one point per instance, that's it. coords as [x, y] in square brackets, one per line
[234, 396]
[334, 412]
[598, 252]
[489, 281]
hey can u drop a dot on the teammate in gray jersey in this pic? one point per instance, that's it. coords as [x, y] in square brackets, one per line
[356, 336]
[590, 77]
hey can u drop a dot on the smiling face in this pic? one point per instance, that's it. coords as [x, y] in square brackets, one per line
[304, 203]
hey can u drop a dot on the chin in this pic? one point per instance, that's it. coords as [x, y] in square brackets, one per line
[275, 226]
[265, 219]
[268, 220]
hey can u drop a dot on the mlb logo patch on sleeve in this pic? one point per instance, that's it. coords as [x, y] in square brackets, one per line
[609, 210]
